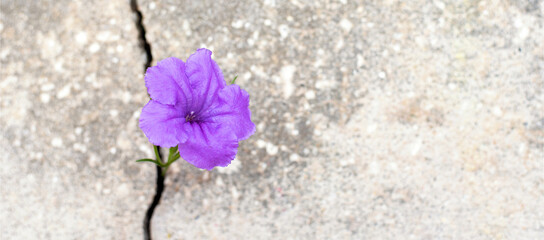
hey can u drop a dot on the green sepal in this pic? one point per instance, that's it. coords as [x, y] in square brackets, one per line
[175, 157]
[232, 82]
[173, 149]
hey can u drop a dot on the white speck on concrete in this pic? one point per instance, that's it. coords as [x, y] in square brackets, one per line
[347, 161]
[271, 3]
[98, 187]
[339, 44]
[50, 46]
[294, 157]
[45, 98]
[47, 87]
[522, 148]
[306, 106]
[497, 111]
[284, 31]
[523, 33]
[81, 38]
[416, 147]
[123, 142]
[261, 126]
[271, 149]
[80, 147]
[219, 181]
[58, 65]
[440, 5]
[187, 28]
[360, 60]
[371, 128]
[237, 23]
[146, 149]
[374, 168]
[310, 94]
[421, 41]
[93, 160]
[260, 143]
[9, 80]
[122, 190]
[64, 92]
[234, 192]
[247, 75]
[291, 128]
[324, 84]
[114, 113]
[262, 166]
[94, 48]
[56, 142]
[346, 25]
[286, 80]
[103, 36]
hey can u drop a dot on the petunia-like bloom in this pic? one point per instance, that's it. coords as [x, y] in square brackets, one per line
[192, 107]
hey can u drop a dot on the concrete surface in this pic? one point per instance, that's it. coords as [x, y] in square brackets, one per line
[71, 91]
[375, 120]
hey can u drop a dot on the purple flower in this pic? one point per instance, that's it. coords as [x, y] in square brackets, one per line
[193, 108]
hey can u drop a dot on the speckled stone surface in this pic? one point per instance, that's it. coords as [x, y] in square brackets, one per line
[71, 90]
[375, 120]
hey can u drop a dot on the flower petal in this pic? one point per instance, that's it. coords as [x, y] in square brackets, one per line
[209, 145]
[205, 78]
[163, 124]
[232, 108]
[167, 83]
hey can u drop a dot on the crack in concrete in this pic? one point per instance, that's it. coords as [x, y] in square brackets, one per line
[141, 30]
[144, 44]
[156, 199]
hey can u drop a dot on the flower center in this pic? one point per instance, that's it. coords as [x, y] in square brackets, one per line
[191, 117]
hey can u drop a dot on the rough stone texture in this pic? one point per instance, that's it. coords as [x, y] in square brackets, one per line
[71, 90]
[375, 120]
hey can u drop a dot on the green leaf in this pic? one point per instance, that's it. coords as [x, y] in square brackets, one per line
[147, 160]
[232, 82]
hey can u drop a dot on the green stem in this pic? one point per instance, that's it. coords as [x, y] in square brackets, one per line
[172, 157]
[157, 154]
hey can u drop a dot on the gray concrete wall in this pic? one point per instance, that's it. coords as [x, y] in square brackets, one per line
[375, 120]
